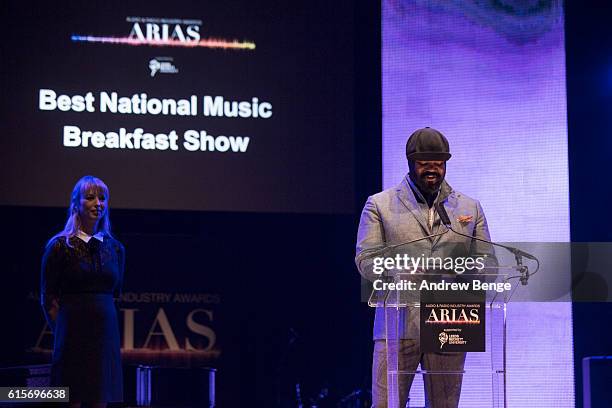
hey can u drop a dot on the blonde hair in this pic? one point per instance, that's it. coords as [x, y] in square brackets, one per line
[73, 223]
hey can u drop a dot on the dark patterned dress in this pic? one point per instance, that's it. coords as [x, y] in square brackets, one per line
[84, 278]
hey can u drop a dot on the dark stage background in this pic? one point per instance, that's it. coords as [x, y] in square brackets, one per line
[272, 104]
[270, 296]
[289, 307]
[266, 269]
[589, 98]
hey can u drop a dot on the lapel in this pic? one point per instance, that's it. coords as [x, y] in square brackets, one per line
[407, 197]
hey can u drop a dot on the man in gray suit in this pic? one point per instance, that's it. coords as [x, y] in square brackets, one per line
[406, 213]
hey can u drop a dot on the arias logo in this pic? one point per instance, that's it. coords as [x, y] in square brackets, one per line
[166, 32]
[454, 327]
[454, 315]
[147, 29]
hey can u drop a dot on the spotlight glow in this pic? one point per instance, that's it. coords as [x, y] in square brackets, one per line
[206, 42]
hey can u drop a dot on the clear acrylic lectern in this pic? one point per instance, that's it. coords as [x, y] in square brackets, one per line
[484, 373]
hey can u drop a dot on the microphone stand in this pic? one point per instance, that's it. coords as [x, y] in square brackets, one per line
[518, 254]
[380, 250]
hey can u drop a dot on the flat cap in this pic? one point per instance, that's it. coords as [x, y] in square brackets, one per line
[427, 144]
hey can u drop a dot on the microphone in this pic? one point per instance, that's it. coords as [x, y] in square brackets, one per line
[445, 219]
[376, 251]
[518, 252]
[370, 253]
[444, 216]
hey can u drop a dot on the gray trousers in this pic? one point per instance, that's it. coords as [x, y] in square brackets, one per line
[441, 391]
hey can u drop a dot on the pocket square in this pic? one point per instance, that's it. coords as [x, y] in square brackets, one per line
[464, 219]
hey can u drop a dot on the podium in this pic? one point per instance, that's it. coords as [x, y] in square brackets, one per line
[481, 380]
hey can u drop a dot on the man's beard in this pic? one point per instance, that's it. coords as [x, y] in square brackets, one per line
[426, 188]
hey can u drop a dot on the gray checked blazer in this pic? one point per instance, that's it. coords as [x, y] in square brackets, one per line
[395, 216]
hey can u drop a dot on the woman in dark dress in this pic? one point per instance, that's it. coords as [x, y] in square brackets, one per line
[82, 272]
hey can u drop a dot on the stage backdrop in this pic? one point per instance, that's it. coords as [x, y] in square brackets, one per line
[491, 77]
[237, 106]
[240, 111]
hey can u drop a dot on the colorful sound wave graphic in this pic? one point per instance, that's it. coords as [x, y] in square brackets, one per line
[206, 42]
